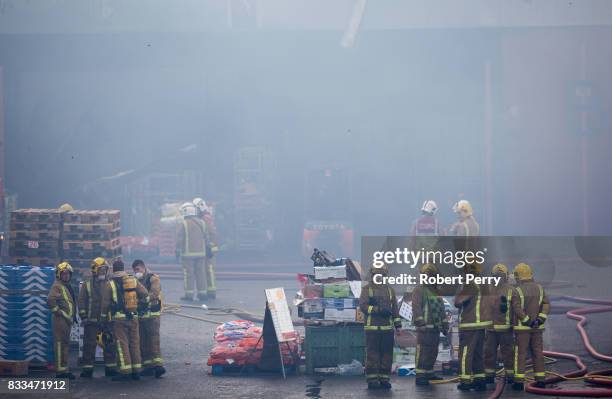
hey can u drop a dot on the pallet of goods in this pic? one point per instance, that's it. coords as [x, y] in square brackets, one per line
[89, 234]
[35, 236]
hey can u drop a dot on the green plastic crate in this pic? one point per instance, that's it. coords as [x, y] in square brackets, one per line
[329, 346]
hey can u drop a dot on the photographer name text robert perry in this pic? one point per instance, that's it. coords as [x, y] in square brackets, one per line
[423, 279]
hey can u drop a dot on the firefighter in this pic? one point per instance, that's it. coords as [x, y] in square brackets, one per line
[61, 301]
[429, 318]
[466, 225]
[205, 213]
[121, 297]
[427, 224]
[474, 318]
[191, 247]
[149, 321]
[379, 306]
[530, 308]
[90, 300]
[500, 334]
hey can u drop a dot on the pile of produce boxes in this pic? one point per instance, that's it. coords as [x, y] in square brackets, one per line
[35, 236]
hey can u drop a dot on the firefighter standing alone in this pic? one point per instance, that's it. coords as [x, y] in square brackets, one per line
[61, 301]
[121, 297]
[90, 301]
[191, 247]
[379, 305]
[149, 321]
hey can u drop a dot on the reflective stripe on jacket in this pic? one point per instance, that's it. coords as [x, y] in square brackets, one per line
[473, 313]
[192, 238]
[529, 303]
[60, 300]
[374, 302]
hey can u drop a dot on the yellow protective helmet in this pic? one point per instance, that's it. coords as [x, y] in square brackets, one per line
[62, 267]
[522, 272]
[97, 263]
[500, 269]
[429, 268]
[66, 208]
[463, 206]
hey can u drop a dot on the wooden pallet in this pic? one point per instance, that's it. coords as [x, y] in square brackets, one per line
[92, 227]
[34, 261]
[92, 217]
[14, 368]
[91, 236]
[34, 253]
[37, 235]
[42, 245]
[34, 226]
[91, 245]
[92, 254]
[36, 215]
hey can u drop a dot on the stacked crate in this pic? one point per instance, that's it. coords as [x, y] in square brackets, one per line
[35, 236]
[89, 234]
[25, 319]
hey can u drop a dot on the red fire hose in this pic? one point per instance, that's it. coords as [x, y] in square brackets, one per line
[596, 377]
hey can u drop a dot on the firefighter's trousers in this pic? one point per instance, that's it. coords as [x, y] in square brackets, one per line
[194, 275]
[61, 342]
[127, 342]
[426, 350]
[90, 343]
[379, 354]
[149, 341]
[471, 356]
[529, 342]
[504, 340]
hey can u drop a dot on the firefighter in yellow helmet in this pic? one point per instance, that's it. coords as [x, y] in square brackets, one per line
[429, 318]
[530, 308]
[191, 247]
[379, 305]
[61, 301]
[474, 318]
[90, 301]
[149, 321]
[500, 334]
[466, 225]
[121, 298]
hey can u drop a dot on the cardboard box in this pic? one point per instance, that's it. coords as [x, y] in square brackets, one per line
[14, 367]
[341, 314]
[340, 303]
[312, 309]
[325, 272]
[336, 290]
[313, 291]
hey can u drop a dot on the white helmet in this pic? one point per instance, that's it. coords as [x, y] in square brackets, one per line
[188, 209]
[200, 204]
[430, 207]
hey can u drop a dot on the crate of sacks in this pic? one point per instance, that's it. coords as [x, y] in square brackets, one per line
[35, 236]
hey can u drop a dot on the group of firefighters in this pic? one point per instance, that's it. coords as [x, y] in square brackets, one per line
[119, 311]
[509, 317]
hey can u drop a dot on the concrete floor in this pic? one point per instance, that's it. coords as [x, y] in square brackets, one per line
[186, 342]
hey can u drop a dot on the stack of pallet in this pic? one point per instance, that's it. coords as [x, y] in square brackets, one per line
[89, 234]
[35, 236]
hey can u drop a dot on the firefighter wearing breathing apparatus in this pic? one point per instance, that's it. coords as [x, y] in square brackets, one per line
[90, 300]
[121, 298]
[149, 322]
[379, 305]
[530, 307]
[429, 318]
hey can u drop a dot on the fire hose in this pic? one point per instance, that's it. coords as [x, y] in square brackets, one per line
[600, 377]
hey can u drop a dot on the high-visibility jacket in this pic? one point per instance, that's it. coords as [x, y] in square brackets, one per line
[379, 306]
[465, 228]
[61, 300]
[111, 308]
[473, 310]
[502, 321]
[529, 303]
[153, 285]
[191, 242]
[90, 299]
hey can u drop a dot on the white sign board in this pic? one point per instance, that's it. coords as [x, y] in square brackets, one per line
[281, 318]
